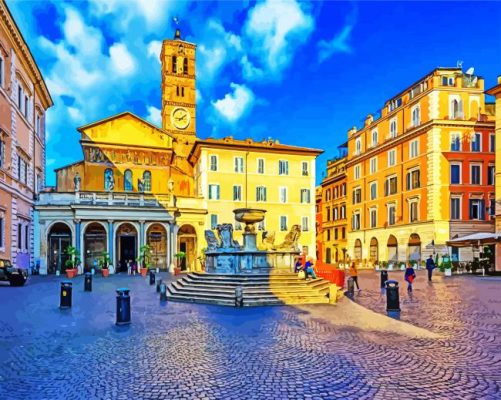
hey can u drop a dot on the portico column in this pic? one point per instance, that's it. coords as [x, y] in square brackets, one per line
[141, 233]
[76, 239]
[167, 245]
[174, 228]
[110, 241]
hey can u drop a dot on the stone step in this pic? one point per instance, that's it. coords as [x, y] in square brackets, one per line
[279, 302]
[249, 289]
[246, 291]
[297, 284]
[202, 300]
[244, 277]
[247, 281]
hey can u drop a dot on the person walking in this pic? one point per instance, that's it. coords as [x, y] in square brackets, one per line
[129, 267]
[430, 266]
[409, 276]
[354, 274]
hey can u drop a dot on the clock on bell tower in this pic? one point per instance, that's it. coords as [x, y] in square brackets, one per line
[178, 92]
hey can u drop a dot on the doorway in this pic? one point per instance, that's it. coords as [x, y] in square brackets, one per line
[127, 251]
[59, 240]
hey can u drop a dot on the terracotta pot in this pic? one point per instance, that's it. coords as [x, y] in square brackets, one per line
[71, 272]
[105, 272]
[177, 271]
[144, 271]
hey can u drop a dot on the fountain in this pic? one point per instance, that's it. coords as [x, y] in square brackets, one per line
[228, 257]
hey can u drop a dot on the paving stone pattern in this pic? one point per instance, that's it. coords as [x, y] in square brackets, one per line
[193, 351]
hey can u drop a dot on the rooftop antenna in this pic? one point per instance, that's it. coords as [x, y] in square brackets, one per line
[176, 20]
[459, 64]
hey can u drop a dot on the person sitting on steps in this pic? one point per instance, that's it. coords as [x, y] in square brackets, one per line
[309, 268]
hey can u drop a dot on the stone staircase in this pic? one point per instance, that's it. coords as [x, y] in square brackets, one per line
[258, 289]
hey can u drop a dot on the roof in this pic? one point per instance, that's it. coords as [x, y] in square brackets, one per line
[69, 165]
[494, 90]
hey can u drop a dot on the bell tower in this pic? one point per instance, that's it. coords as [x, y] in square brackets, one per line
[178, 92]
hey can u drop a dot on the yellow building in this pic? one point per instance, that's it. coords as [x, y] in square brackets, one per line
[279, 178]
[141, 184]
[422, 173]
[334, 222]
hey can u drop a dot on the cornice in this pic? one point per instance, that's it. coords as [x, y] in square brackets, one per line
[179, 104]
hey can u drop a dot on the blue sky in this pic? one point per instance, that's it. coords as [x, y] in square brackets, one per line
[302, 73]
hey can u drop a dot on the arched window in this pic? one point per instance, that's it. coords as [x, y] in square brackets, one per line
[456, 109]
[147, 181]
[174, 64]
[128, 180]
[109, 181]
[185, 66]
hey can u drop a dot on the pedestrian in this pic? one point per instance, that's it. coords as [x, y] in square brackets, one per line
[309, 268]
[298, 266]
[129, 267]
[430, 266]
[134, 268]
[354, 274]
[409, 276]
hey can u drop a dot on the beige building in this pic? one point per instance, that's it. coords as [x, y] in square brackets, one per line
[24, 99]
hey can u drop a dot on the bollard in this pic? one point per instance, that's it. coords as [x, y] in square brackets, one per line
[392, 297]
[351, 287]
[65, 296]
[152, 277]
[159, 282]
[239, 296]
[123, 306]
[384, 278]
[163, 292]
[88, 282]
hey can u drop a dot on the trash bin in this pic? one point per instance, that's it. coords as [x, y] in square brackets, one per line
[88, 282]
[351, 287]
[163, 292]
[392, 296]
[384, 278]
[152, 277]
[123, 306]
[159, 282]
[65, 295]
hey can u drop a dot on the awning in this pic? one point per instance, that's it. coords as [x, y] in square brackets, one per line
[480, 238]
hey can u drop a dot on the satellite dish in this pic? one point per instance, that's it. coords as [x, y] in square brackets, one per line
[474, 81]
[470, 71]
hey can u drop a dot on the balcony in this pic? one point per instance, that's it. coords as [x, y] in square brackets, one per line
[106, 199]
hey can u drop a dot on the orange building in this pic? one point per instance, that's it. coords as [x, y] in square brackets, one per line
[423, 171]
[318, 224]
[334, 222]
[24, 98]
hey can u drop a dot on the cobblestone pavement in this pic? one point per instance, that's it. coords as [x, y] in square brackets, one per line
[187, 351]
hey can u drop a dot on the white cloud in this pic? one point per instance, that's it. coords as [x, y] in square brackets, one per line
[249, 71]
[274, 31]
[154, 116]
[235, 105]
[339, 43]
[75, 114]
[154, 49]
[122, 61]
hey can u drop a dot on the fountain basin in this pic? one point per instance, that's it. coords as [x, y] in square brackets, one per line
[249, 216]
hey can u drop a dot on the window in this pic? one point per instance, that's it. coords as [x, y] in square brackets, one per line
[2, 153]
[260, 193]
[355, 221]
[237, 193]
[328, 213]
[304, 224]
[393, 128]
[492, 207]
[395, 104]
[128, 180]
[304, 168]
[475, 142]
[283, 223]
[374, 138]
[357, 171]
[174, 64]
[335, 211]
[373, 164]
[283, 167]
[477, 209]
[373, 214]
[283, 194]
[39, 183]
[455, 174]
[26, 236]
[38, 129]
[19, 236]
[343, 233]
[26, 106]
[177, 90]
[1, 70]
[19, 96]
[22, 172]
[447, 81]
[185, 66]
[305, 195]
[239, 164]
[414, 148]
[491, 175]
[336, 192]
[413, 179]
[455, 208]
[328, 234]
[213, 221]
[343, 189]
[391, 214]
[358, 146]
[260, 165]
[416, 117]
[373, 187]
[492, 143]
[390, 186]
[413, 211]
[335, 234]
[214, 192]
[475, 175]
[147, 181]
[1, 231]
[357, 195]
[213, 163]
[455, 142]
[392, 157]
[456, 109]
[328, 195]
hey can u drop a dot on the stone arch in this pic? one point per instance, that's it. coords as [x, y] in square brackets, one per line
[156, 238]
[414, 248]
[126, 244]
[392, 247]
[357, 250]
[95, 242]
[374, 250]
[187, 243]
[60, 235]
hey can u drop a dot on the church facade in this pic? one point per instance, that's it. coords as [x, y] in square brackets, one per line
[139, 184]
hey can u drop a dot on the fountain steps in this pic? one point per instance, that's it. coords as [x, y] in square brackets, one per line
[260, 289]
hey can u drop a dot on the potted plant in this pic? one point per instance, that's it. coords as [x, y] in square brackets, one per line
[71, 263]
[144, 259]
[390, 266]
[402, 266]
[201, 258]
[446, 266]
[179, 256]
[104, 263]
